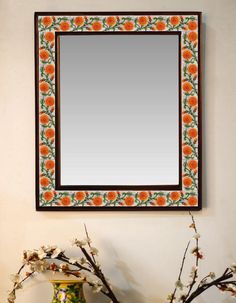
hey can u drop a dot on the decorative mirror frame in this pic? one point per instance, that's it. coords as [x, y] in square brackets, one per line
[50, 195]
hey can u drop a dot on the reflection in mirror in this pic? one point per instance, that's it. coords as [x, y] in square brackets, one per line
[119, 109]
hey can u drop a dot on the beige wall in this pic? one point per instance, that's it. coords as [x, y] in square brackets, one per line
[140, 252]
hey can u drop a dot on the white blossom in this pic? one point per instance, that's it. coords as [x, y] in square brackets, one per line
[96, 283]
[63, 267]
[170, 297]
[179, 284]
[212, 275]
[203, 282]
[232, 287]
[83, 261]
[72, 261]
[182, 297]
[97, 288]
[39, 266]
[94, 251]
[19, 286]
[56, 252]
[196, 236]
[15, 278]
[194, 250]
[79, 243]
[193, 271]
[49, 248]
[233, 267]
[89, 240]
[29, 255]
[41, 253]
[11, 297]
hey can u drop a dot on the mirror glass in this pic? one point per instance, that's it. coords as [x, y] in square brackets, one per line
[119, 109]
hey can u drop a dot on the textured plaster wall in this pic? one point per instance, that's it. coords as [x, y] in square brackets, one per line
[140, 252]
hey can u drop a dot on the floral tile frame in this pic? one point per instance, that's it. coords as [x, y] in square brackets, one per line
[49, 196]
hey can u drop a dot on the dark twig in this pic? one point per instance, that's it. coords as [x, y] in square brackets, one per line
[100, 275]
[180, 272]
[195, 274]
[223, 282]
[89, 244]
[206, 286]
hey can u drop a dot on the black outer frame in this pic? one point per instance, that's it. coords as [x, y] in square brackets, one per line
[127, 208]
[58, 185]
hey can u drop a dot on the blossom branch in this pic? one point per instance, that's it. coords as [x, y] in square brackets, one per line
[46, 258]
[223, 282]
[100, 274]
[89, 242]
[220, 283]
[197, 254]
[172, 296]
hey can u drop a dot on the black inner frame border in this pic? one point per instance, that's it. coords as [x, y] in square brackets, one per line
[58, 185]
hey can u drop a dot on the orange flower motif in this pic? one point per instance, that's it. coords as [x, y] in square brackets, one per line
[192, 25]
[175, 195]
[49, 69]
[49, 164]
[79, 21]
[192, 68]
[80, 196]
[97, 201]
[47, 21]
[49, 133]
[143, 195]
[192, 101]
[187, 54]
[161, 200]
[129, 26]
[65, 201]
[112, 195]
[192, 164]
[49, 36]
[192, 132]
[44, 150]
[187, 86]
[187, 150]
[64, 26]
[160, 25]
[49, 101]
[44, 119]
[175, 20]
[44, 181]
[111, 21]
[187, 118]
[97, 26]
[129, 201]
[192, 201]
[44, 54]
[187, 181]
[44, 87]
[192, 36]
[48, 195]
[143, 20]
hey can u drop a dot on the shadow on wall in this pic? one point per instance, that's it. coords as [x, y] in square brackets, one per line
[131, 286]
[134, 295]
[129, 295]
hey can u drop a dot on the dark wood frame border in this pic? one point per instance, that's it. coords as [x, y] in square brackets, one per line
[172, 208]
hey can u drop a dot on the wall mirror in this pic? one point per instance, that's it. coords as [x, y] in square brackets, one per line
[118, 122]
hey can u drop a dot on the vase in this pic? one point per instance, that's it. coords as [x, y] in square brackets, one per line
[68, 291]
